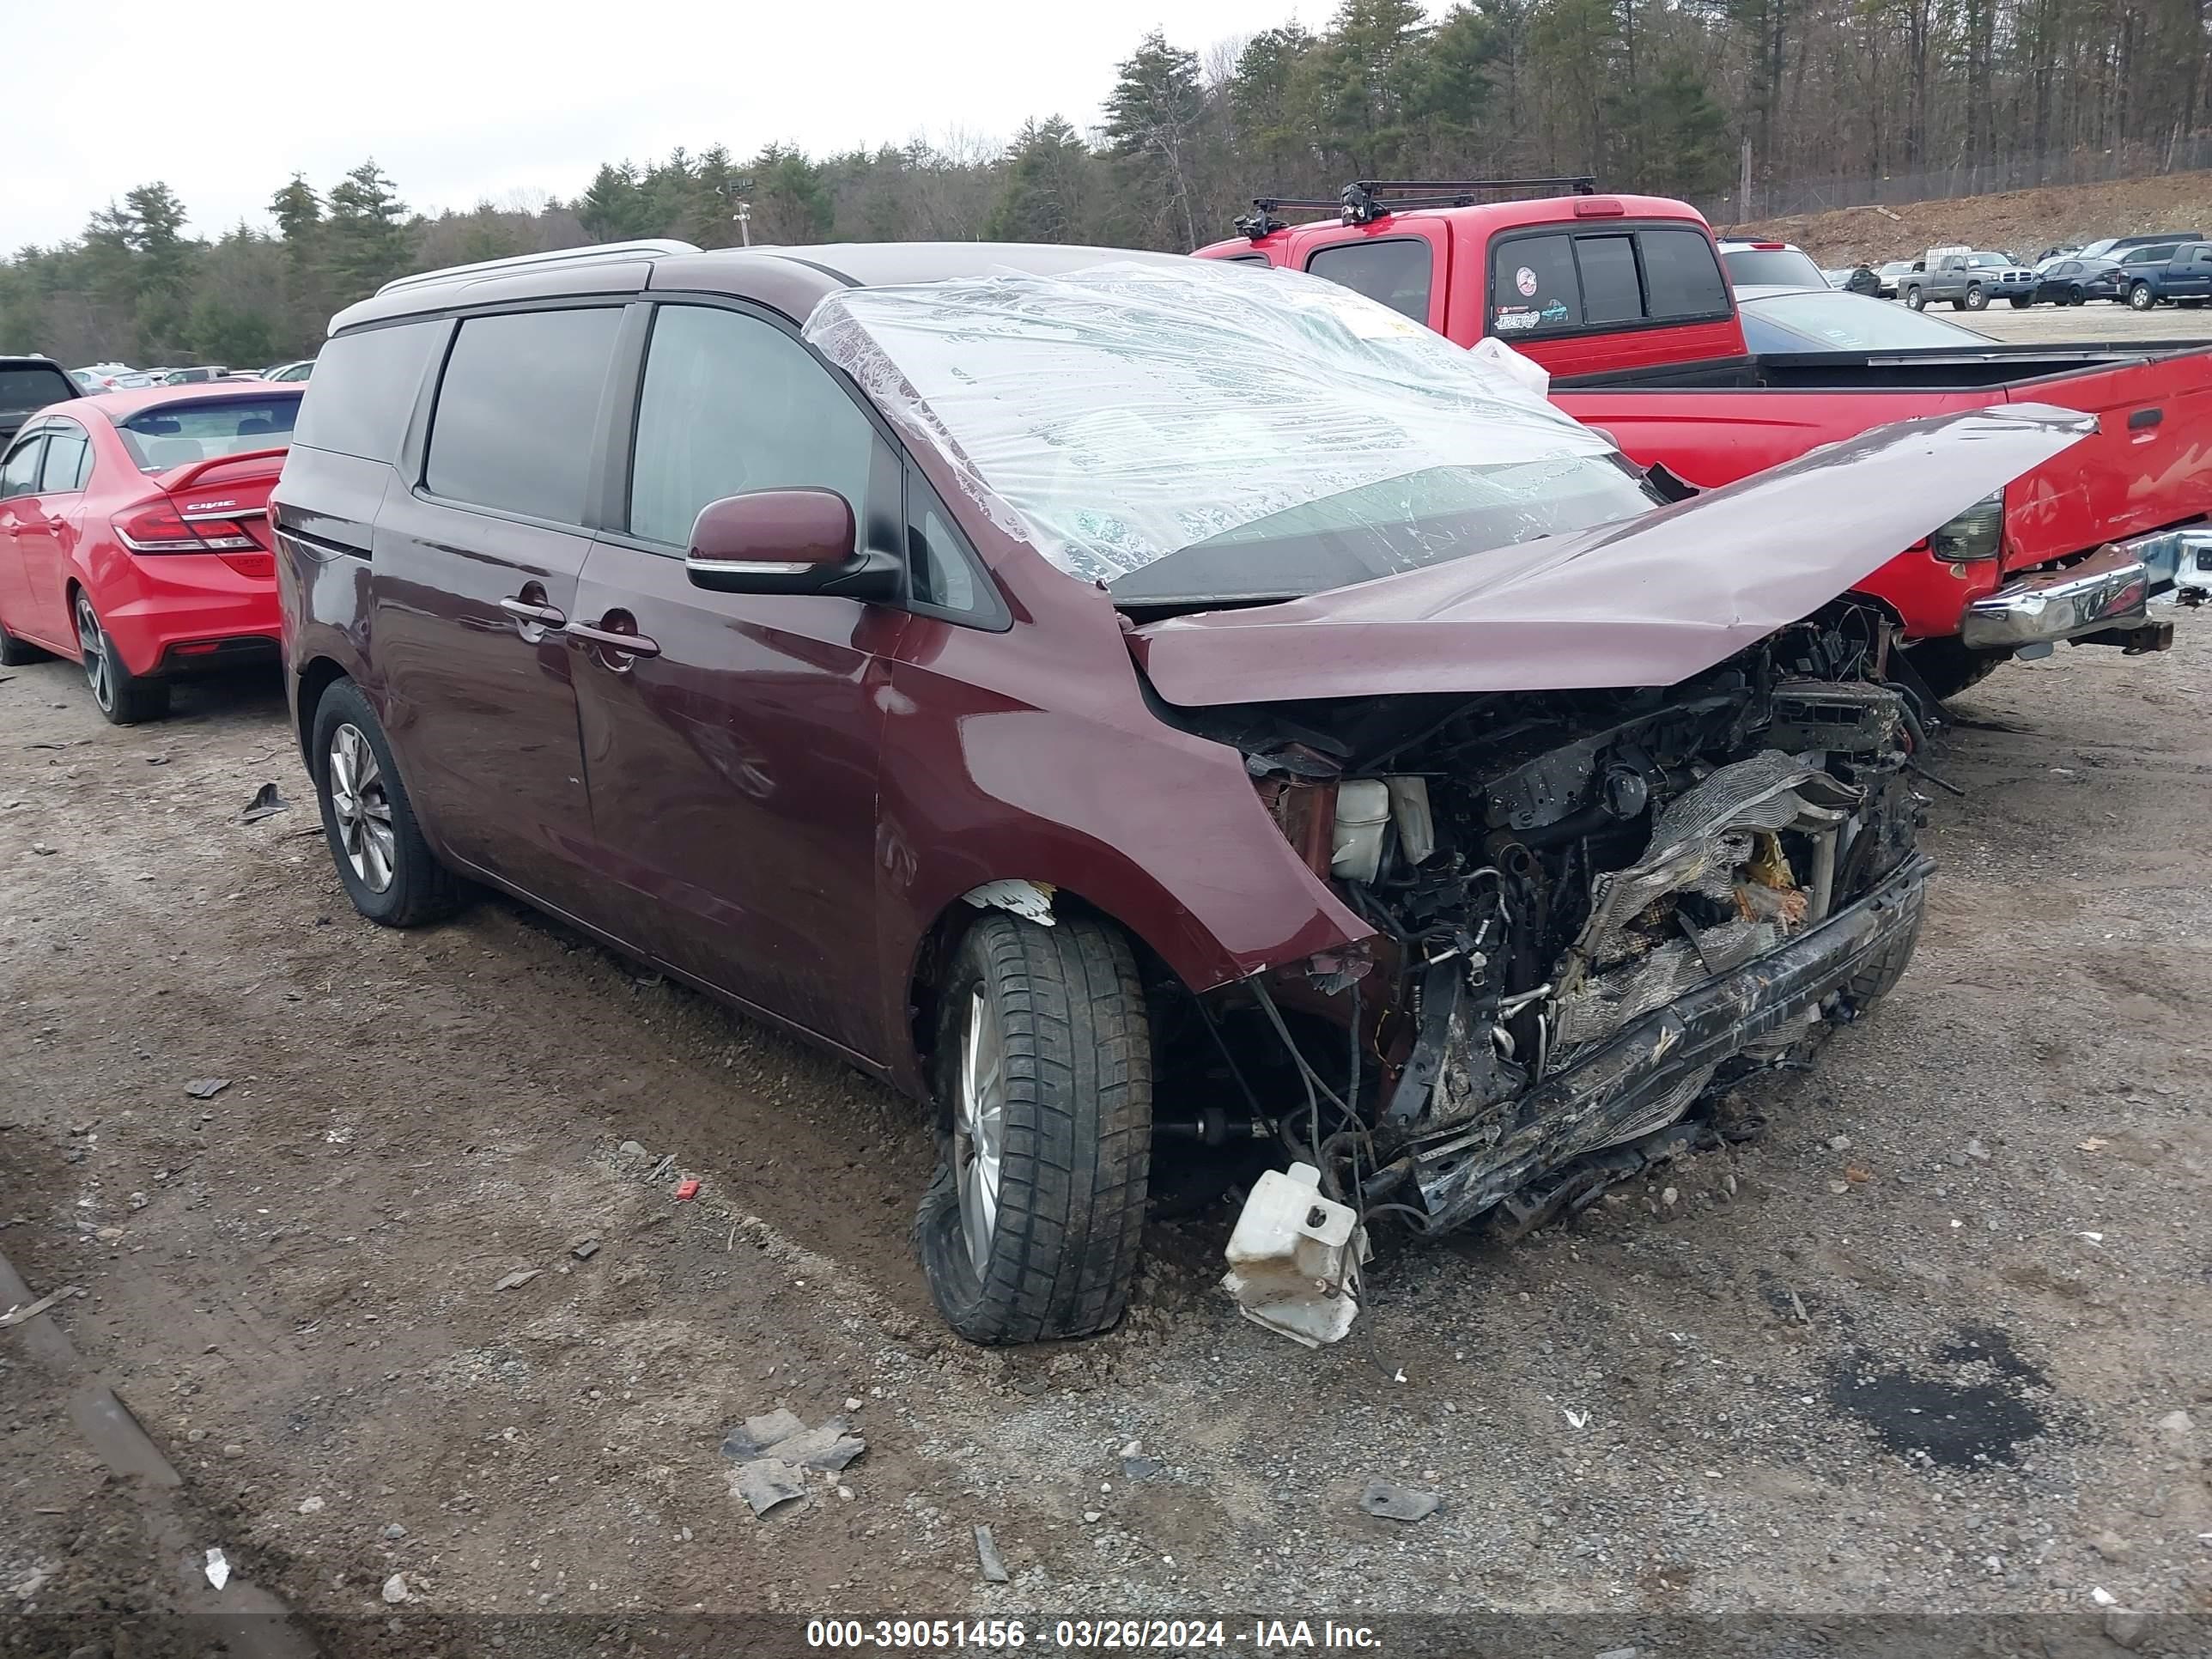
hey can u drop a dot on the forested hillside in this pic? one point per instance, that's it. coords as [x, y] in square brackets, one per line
[1656, 97]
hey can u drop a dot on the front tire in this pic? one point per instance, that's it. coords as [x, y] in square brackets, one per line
[2075, 297]
[2020, 302]
[2140, 298]
[1949, 667]
[1043, 1083]
[383, 860]
[1976, 300]
[124, 697]
[1915, 300]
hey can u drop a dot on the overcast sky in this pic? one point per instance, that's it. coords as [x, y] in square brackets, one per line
[460, 101]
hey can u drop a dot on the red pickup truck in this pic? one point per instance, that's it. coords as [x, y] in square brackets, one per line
[1623, 299]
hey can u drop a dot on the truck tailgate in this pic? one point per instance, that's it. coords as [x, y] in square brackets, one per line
[2148, 465]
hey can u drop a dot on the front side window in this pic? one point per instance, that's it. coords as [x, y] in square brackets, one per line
[178, 434]
[518, 411]
[733, 404]
[68, 459]
[1395, 272]
[19, 473]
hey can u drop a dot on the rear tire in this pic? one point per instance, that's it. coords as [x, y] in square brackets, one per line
[14, 652]
[124, 697]
[384, 862]
[1949, 667]
[1043, 1047]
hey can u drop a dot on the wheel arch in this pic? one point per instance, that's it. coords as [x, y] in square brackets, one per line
[315, 679]
[939, 942]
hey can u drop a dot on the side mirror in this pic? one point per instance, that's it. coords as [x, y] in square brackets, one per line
[786, 541]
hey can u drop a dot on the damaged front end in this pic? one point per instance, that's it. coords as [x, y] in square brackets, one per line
[1593, 911]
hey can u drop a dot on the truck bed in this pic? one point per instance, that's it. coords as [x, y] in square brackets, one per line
[2149, 467]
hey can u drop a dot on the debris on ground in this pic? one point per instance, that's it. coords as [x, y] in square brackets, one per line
[268, 801]
[1398, 1502]
[756, 1434]
[631, 1149]
[518, 1278]
[1294, 1258]
[774, 1450]
[2125, 1628]
[2177, 1422]
[31, 1309]
[661, 1169]
[584, 1249]
[218, 1569]
[765, 1482]
[43, 850]
[687, 1188]
[987, 1553]
[206, 1088]
[311, 1505]
[395, 1589]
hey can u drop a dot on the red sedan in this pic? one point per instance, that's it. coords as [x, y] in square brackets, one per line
[134, 536]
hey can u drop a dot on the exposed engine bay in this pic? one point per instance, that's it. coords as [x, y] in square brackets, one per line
[1594, 911]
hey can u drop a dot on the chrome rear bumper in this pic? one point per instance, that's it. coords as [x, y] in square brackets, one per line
[2109, 589]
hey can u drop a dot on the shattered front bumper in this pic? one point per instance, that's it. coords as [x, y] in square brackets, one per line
[2109, 591]
[1587, 1105]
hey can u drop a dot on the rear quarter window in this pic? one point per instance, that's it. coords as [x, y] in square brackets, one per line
[1395, 272]
[364, 390]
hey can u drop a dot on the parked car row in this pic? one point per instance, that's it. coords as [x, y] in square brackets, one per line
[2140, 271]
[1301, 703]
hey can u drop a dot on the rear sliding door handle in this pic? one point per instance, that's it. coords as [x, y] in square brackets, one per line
[544, 616]
[627, 645]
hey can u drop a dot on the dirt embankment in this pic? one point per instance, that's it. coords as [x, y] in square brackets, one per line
[2022, 221]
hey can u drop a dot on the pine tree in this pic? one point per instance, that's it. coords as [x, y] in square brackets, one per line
[366, 232]
[1155, 119]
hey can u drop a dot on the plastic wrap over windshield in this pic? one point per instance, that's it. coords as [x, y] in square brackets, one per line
[1115, 415]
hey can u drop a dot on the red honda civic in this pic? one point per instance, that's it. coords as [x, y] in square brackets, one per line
[134, 536]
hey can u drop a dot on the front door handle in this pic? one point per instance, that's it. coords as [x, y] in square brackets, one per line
[540, 616]
[627, 645]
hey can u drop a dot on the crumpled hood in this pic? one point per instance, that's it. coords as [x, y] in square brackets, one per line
[1649, 601]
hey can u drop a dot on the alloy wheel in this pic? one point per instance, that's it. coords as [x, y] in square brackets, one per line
[97, 656]
[362, 807]
[979, 1126]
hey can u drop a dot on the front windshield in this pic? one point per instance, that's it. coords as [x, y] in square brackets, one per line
[1847, 322]
[1178, 431]
[1986, 261]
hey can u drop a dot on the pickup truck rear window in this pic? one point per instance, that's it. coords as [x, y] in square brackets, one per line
[1553, 283]
[1395, 272]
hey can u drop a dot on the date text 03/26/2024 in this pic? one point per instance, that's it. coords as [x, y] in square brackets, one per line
[1090, 1635]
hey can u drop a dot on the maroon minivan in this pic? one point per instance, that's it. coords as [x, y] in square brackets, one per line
[1167, 715]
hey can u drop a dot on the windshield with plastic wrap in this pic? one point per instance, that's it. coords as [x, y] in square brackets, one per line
[1199, 432]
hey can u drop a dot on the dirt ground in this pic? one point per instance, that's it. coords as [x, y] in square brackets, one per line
[1934, 1343]
[2025, 222]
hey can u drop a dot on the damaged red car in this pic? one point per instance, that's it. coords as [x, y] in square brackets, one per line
[1152, 711]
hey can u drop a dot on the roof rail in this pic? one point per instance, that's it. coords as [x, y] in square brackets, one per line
[559, 256]
[1365, 201]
